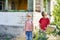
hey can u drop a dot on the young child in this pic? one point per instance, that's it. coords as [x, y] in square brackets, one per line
[44, 21]
[28, 27]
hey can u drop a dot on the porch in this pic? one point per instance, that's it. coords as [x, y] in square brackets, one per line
[16, 5]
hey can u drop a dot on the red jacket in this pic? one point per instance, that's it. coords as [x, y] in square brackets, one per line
[43, 23]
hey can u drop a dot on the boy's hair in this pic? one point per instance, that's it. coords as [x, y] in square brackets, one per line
[43, 13]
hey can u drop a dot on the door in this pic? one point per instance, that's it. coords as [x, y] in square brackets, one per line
[22, 4]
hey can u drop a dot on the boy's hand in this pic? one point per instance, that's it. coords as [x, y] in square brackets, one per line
[48, 25]
[45, 28]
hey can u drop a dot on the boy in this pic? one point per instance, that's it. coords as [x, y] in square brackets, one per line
[28, 27]
[44, 21]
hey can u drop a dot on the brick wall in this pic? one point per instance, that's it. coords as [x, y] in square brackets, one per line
[12, 22]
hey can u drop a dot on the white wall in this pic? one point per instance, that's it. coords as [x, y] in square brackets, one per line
[12, 18]
[36, 18]
[12, 23]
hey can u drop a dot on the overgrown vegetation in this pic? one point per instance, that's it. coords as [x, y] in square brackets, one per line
[56, 14]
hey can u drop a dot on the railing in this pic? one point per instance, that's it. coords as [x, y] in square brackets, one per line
[16, 10]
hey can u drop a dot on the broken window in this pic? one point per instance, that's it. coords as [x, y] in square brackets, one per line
[13, 6]
[2, 4]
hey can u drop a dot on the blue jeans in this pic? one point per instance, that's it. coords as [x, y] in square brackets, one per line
[28, 35]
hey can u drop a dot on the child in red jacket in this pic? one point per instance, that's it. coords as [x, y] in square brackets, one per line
[44, 21]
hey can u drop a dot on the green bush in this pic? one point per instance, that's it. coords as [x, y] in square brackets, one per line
[56, 14]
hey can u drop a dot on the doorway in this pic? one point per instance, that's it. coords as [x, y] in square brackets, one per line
[22, 5]
[18, 4]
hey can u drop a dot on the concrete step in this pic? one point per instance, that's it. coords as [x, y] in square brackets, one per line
[20, 38]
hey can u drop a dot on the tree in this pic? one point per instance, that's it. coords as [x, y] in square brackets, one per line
[56, 14]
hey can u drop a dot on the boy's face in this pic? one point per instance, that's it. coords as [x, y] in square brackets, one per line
[28, 17]
[45, 14]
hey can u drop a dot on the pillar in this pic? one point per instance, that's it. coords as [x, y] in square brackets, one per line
[6, 5]
[30, 5]
[42, 5]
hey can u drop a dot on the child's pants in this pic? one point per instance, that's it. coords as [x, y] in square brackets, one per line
[42, 35]
[28, 35]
